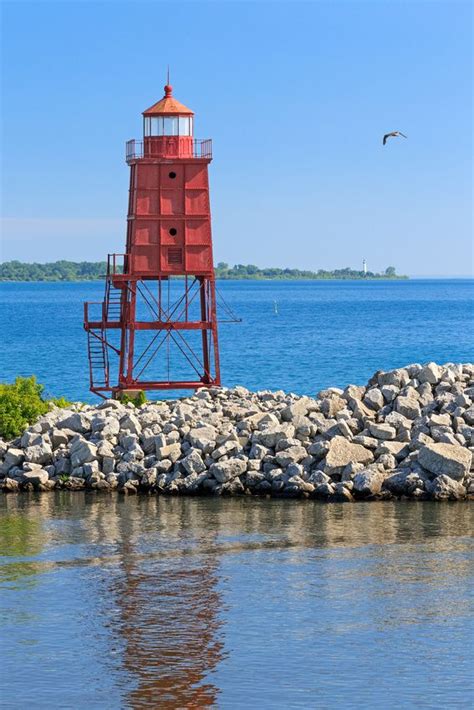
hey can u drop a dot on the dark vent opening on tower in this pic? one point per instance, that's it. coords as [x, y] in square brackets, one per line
[175, 256]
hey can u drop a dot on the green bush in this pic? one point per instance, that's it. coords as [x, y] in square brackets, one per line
[137, 400]
[21, 404]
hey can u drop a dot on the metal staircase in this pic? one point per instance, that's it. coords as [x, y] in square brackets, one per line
[113, 302]
[98, 316]
[98, 359]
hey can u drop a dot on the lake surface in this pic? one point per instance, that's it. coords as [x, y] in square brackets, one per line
[326, 333]
[114, 602]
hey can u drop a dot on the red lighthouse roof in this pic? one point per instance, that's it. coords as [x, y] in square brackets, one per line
[168, 106]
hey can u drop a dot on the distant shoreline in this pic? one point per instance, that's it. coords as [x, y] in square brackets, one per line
[70, 271]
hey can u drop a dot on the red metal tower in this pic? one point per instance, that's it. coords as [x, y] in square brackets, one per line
[156, 328]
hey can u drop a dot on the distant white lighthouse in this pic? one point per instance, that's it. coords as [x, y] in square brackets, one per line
[364, 267]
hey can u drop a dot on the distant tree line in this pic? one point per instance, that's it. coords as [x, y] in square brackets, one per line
[241, 271]
[55, 271]
[92, 270]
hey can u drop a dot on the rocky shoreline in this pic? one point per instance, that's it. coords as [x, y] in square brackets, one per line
[409, 433]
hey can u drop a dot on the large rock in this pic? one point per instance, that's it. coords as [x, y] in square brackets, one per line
[30, 438]
[403, 482]
[13, 457]
[37, 476]
[318, 449]
[300, 407]
[261, 420]
[431, 373]
[82, 452]
[39, 453]
[330, 406]
[76, 422]
[368, 482]
[202, 438]
[382, 431]
[469, 415]
[270, 436]
[341, 452]
[408, 407]
[446, 459]
[374, 399]
[227, 470]
[58, 438]
[446, 488]
[170, 451]
[393, 378]
[353, 392]
[193, 463]
[130, 423]
[396, 448]
[228, 447]
[291, 455]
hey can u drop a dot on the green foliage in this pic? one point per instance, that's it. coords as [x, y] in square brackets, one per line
[64, 477]
[87, 271]
[240, 271]
[137, 400]
[20, 404]
[56, 271]
[61, 402]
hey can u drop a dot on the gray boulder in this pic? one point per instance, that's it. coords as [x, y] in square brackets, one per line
[131, 424]
[431, 373]
[382, 431]
[171, 452]
[13, 457]
[368, 482]
[446, 488]
[374, 399]
[193, 463]
[403, 482]
[224, 471]
[82, 452]
[341, 452]
[300, 407]
[37, 476]
[76, 421]
[408, 407]
[446, 459]
[291, 455]
[39, 453]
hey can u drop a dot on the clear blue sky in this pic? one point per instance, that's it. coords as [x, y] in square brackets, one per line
[296, 97]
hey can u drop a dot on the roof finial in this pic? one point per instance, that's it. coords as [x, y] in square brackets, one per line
[168, 87]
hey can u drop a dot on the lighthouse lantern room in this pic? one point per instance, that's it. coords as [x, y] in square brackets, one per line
[156, 328]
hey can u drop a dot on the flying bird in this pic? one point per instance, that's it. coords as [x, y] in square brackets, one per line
[393, 134]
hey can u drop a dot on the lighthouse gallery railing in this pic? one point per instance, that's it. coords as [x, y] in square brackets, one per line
[197, 148]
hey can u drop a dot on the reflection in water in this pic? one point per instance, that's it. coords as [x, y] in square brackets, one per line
[168, 617]
[21, 536]
[198, 601]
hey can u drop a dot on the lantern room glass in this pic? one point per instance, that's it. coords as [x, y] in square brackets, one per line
[168, 126]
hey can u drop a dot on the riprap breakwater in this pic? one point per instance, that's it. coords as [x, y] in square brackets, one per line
[407, 433]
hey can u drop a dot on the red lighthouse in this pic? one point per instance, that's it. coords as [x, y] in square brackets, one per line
[156, 328]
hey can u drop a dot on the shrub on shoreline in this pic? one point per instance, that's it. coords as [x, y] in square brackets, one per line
[22, 403]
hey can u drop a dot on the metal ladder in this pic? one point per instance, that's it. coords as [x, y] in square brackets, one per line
[98, 358]
[113, 302]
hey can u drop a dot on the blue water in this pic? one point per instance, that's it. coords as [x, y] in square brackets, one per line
[325, 333]
[190, 603]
